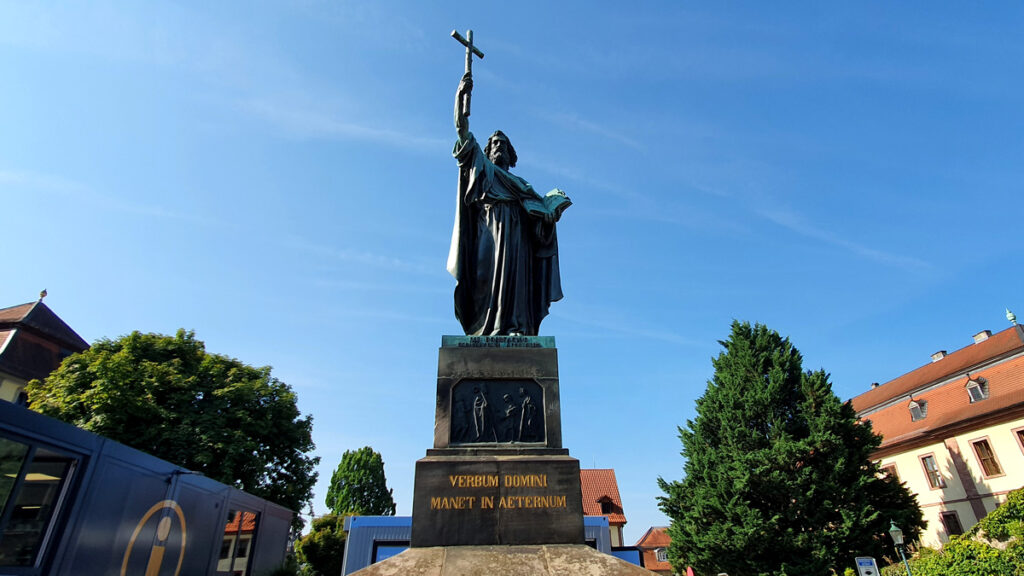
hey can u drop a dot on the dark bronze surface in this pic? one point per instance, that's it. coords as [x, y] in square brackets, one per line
[504, 256]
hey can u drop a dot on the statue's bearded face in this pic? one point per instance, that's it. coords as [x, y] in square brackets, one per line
[499, 152]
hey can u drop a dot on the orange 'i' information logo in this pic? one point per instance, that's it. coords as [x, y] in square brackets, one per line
[169, 534]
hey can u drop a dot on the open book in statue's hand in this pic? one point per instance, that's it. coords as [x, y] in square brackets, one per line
[554, 203]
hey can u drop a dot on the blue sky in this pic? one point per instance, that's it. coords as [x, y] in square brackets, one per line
[278, 178]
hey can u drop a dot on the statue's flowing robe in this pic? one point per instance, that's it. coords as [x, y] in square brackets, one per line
[504, 261]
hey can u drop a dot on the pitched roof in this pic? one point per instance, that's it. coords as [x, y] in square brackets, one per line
[38, 317]
[655, 537]
[998, 345]
[16, 313]
[950, 405]
[598, 485]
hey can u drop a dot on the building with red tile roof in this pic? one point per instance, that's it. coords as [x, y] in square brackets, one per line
[236, 547]
[601, 498]
[653, 546]
[33, 342]
[953, 430]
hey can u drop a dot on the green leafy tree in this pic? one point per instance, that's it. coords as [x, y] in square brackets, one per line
[778, 476]
[358, 485]
[167, 396]
[322, 551]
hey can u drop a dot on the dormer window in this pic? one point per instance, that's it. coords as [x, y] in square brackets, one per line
[608, 505]
[977, 389]
[661, 554]
[918, 410]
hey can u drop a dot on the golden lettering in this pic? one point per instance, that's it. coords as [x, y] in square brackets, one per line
[473, 480]
[452, 503]
[526, 480]
[511, 502]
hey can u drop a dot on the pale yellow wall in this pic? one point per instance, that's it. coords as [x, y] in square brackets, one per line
[1008, 453]
[10, 388]
[953, 497]
[911, 471]
[616, 532]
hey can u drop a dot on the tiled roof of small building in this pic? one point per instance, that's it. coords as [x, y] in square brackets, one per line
[248, 520]
[598, 485]
[655, 537]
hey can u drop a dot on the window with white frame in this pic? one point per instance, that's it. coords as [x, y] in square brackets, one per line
[977, 389]
[661, 554]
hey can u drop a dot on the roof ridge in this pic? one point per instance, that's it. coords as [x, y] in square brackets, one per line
[1001, 345]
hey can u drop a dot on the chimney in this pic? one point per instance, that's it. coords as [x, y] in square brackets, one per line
[938, 355]
[874, 385]
[982, 336]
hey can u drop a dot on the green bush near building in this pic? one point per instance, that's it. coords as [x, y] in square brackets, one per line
[994, 547]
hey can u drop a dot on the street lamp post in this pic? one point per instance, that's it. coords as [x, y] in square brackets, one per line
[897, 538]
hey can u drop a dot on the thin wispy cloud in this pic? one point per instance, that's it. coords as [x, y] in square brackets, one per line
[303, 123]
[71, 189]
[606, 326]
[376, 287]
[41, 182]
[393, 316]
[580, 175]
[381, 261]
[574, 122]
[795, 223]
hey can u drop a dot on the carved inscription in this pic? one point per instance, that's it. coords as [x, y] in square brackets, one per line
[467, 502]
[493, 481]
[474, 481]
[498, 341]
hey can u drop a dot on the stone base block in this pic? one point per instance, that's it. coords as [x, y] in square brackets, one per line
[494, 500]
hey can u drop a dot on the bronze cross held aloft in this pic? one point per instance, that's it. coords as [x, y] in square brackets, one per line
[470, 50]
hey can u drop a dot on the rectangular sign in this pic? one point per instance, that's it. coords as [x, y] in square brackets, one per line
[866, 566]
[499, 500]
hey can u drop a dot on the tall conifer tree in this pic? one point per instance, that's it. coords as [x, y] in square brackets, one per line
[778, 477]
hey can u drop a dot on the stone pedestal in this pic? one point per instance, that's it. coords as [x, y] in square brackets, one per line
[550, 560]
[497, 473]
